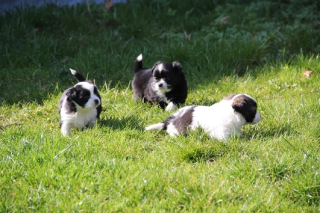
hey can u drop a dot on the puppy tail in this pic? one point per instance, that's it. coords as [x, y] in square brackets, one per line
[158, 126]
[77, 75]
[138, 63]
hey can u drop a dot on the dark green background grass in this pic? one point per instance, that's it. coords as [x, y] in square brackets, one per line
[260, 48]
[38, 45]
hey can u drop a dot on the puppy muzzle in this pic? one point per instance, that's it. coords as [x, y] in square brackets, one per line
[96, 102]
[164, 86]
[257, 118]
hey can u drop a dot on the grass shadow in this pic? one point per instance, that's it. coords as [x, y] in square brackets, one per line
[125, 123]
[203, 153]
[267, 131]
[208, 49]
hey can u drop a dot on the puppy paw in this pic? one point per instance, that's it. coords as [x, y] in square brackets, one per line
[65, 130]
[171, 107]
[91, 124]
[65, 133]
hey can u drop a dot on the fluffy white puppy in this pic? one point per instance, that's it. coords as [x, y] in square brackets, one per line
[220, 121]
[79, 106]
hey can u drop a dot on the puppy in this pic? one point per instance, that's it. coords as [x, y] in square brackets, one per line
[220, 121]
[163, 84]
[79, 106]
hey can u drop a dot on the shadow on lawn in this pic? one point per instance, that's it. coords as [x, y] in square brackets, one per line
[269, 131]
[125, 123]
[213, 52]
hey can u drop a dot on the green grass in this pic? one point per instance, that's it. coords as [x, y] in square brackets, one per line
[262, 50]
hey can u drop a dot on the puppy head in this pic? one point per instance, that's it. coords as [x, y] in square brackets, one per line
[246, 106]
[166, 75]
[84, 95]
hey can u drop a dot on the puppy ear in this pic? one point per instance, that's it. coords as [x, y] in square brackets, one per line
[155, 65]
[177, 66]
[245, 106]
[239, 105]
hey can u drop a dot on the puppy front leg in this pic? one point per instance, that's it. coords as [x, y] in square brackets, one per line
[91, 123]
[176, 102]
[171, 106]
[65, 129]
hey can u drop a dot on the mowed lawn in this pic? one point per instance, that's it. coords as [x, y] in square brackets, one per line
[263, 48]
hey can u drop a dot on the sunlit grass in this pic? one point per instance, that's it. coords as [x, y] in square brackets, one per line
[117, 166]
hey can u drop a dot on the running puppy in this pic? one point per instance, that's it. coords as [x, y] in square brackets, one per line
[221, 120]
[163, 84]
[79, 106]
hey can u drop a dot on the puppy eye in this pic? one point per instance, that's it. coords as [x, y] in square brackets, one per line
[86, 95]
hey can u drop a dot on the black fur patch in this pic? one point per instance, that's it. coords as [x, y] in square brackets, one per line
[167, 122]
[246, 106]
[79, 95]
[99, 108]
[182, 123]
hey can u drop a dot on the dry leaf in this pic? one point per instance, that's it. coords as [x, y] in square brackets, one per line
[224, 20]
[307, 73]
[108, 5]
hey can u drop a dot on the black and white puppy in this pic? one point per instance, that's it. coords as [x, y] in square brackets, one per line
[79, 106]
[163, 84]
[221, 120]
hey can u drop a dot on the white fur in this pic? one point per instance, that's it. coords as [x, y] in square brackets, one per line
[139, 58]
[73, 71]
[78, 119]
[160, 67]
[219, 120]
[157, 126]
[172, 131]
[171, 106]
[257, 118]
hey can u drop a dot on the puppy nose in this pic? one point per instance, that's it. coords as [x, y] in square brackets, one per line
[257, 118]
[96, 101]
[160, 85]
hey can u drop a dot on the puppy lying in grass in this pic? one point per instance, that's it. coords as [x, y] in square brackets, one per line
[220, 121]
